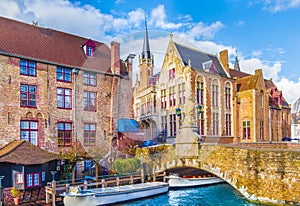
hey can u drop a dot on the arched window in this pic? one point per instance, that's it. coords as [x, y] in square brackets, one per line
[227, 95]
[261, 99]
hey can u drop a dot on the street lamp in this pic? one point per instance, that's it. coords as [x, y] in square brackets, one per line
[53, 173]
[198, 110]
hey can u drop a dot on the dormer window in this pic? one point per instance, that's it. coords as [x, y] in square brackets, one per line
[209, 66]
[89, 48]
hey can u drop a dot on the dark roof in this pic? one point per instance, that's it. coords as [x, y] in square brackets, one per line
[25, 153]
[197, 58]
[51, 46]
[237, 74]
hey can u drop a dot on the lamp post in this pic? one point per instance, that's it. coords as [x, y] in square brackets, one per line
[53, 173]
[198, 110]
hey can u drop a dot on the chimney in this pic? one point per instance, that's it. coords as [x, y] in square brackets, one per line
[115, 58]
[224, 60]
[128, 63]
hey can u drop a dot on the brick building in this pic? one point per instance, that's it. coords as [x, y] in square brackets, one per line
[229, 105]
[58, 88]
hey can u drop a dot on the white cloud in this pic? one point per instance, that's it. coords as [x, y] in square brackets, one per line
[290, 89]
[279, 5]
[158, 19]
[240, 23]
[9, 8]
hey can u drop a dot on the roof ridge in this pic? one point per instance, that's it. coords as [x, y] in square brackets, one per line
[194, 49]
[10, 147]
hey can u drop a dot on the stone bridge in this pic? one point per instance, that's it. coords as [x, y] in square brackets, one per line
[268, 173]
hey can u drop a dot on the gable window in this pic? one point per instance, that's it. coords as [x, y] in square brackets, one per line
[246, 130]
[90, 51]
[64, 133]
[261, 99]
[27, 67]
[89, 79]
[89, 134]
[172, 97]
[64, 97]
[200, 91]
[89, 101]
[29, 131]
[181, 89]
[163, 99]
[172, 73]
[63, 74]
[28, 95]
[227, 95]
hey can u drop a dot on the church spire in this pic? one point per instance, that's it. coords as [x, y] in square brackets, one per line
[146, 54]
[236, 63]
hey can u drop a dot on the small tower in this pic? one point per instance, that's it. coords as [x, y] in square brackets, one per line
[236, 63]
[146, 61]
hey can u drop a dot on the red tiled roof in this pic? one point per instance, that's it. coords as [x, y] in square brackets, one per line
[51, 46]
[25, 153]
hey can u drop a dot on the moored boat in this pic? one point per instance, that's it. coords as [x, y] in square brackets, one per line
[111, 195]
[192, 181]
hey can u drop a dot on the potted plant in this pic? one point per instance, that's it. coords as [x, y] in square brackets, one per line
[15, 193]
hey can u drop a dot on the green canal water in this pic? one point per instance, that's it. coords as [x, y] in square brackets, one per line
[213, 195]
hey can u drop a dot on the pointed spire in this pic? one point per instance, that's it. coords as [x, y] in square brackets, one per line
[146, 46]
[236, 63]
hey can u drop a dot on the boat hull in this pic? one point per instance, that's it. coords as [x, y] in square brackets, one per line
[179, 182]
[111, 195]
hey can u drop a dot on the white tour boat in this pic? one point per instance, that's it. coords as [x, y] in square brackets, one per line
[192, 181]
[111, 195]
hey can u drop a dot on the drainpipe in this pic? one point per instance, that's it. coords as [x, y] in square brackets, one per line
[75, 72]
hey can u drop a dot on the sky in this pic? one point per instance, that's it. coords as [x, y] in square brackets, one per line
[263, 34]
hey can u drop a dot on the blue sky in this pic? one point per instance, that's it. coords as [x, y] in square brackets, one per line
[264, 33]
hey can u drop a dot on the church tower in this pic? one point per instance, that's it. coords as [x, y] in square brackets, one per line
[146, 61]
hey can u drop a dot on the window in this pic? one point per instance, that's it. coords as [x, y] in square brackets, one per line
[164, 126]
[32, 180]
[215, 93]
[29, 131]
[27, 67]
[43, 176]
[261, 130]
[172, 73]
[227, 95]
[246, 130]
[215, 123]
[19, 178]
[90, 79]
[173, 125]
[64, 97]
[63, 74]
[90, 51]
[28, 95]
[163, 99]
[172, 97]
[89, 134]
[200, 91]
[228, 124]
[181, 90]
[89, 101]
[261, 99]
[64, 134]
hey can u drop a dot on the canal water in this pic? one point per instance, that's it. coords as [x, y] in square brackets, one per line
[213, 195]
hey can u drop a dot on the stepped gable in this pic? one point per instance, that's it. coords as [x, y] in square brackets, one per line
[24, 153]
[197, 58]
[56, 47]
